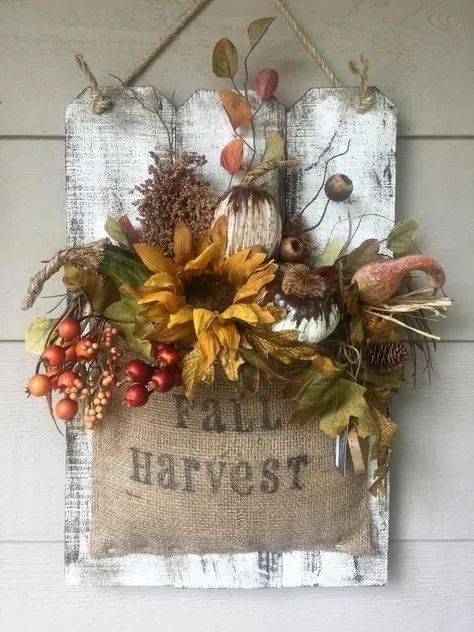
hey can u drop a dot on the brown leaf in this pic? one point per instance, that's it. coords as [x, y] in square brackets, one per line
[266, 82]
[274, 147]
[257, 30]
[99, 289]
[224, 59]
[232, 156]
[356, 330]
[192, 372]
[237, 108]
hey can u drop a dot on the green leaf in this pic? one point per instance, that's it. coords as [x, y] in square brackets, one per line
[330, 253]
[123, 267]
[391, 378]
[257, 30]
[274, 147]
[100, 290]
[125, 315]
[365, 253]
[37, 333]
[224, 59]
[400, 239]
[115, 231]
[330, 398]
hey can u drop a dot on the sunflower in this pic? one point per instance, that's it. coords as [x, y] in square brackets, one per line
[203, 298]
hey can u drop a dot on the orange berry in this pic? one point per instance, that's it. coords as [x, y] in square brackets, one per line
[39, 385]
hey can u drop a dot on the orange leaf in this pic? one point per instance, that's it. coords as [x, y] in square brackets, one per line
[232, 156]
[237, 108]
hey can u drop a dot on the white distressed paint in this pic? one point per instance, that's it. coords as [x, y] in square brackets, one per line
[105, 156]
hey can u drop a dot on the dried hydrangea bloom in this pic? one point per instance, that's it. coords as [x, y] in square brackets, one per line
[174, 192]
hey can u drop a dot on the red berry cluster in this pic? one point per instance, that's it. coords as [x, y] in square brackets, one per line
[82, 367]
[147, 378]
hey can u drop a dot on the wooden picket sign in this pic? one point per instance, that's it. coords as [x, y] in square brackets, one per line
[106, 156]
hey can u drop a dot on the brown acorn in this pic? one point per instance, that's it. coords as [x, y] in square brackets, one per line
[338, 187]
[292, 250]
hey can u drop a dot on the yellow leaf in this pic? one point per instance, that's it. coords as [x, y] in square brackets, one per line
[324, 364]
[192, 372]
[202, 318]
[183, 243]
[155, 260]
[282, 345]
[231, 364]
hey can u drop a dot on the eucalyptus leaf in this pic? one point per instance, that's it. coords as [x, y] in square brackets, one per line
[257, 30]
[400, 239]
[115, 231]
[125, 315]
[37, 333]
[274, 147]
[330, 253]
[224, 59]
[365, 253]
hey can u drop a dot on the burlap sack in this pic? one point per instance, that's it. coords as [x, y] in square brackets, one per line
[220, 475]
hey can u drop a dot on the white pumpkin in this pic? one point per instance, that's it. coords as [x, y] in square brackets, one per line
[253, 219]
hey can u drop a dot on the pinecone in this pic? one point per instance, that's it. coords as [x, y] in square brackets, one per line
[383, 356]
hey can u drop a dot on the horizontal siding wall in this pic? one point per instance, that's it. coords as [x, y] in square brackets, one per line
[422, 57]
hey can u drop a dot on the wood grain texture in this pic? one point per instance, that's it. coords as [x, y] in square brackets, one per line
[421, 53]
[435, 186]
[429, 475]
[105, 156]
[430, 590]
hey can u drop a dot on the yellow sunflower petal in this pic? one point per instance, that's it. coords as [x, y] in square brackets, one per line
[219, 237]
[184, 249]
[263, 315]
[240, 273]
[180, 333]
[156, 313]
[168, 299]
[163, 280]
[208, 345]
[154, 259]
[183, 315]
[228, 336]
[202, 318]
[241, 312]
[201, 262]
[252, 287]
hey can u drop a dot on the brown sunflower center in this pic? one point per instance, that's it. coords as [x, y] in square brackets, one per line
[211, 292]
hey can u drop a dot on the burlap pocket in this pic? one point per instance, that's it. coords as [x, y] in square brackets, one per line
[221, 474]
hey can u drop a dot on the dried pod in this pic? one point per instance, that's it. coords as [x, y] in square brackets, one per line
[338, 187]
[378, 281]
[311, 303]
[253, 219]
[292, 250]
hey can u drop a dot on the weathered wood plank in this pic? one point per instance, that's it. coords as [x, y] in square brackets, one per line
[412, 601]
[429, 171]
[411, 45]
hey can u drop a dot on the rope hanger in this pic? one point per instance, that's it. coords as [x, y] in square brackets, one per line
[100, 102]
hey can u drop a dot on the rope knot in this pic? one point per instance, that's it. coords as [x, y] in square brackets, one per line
[100, 102]
[366, 97]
